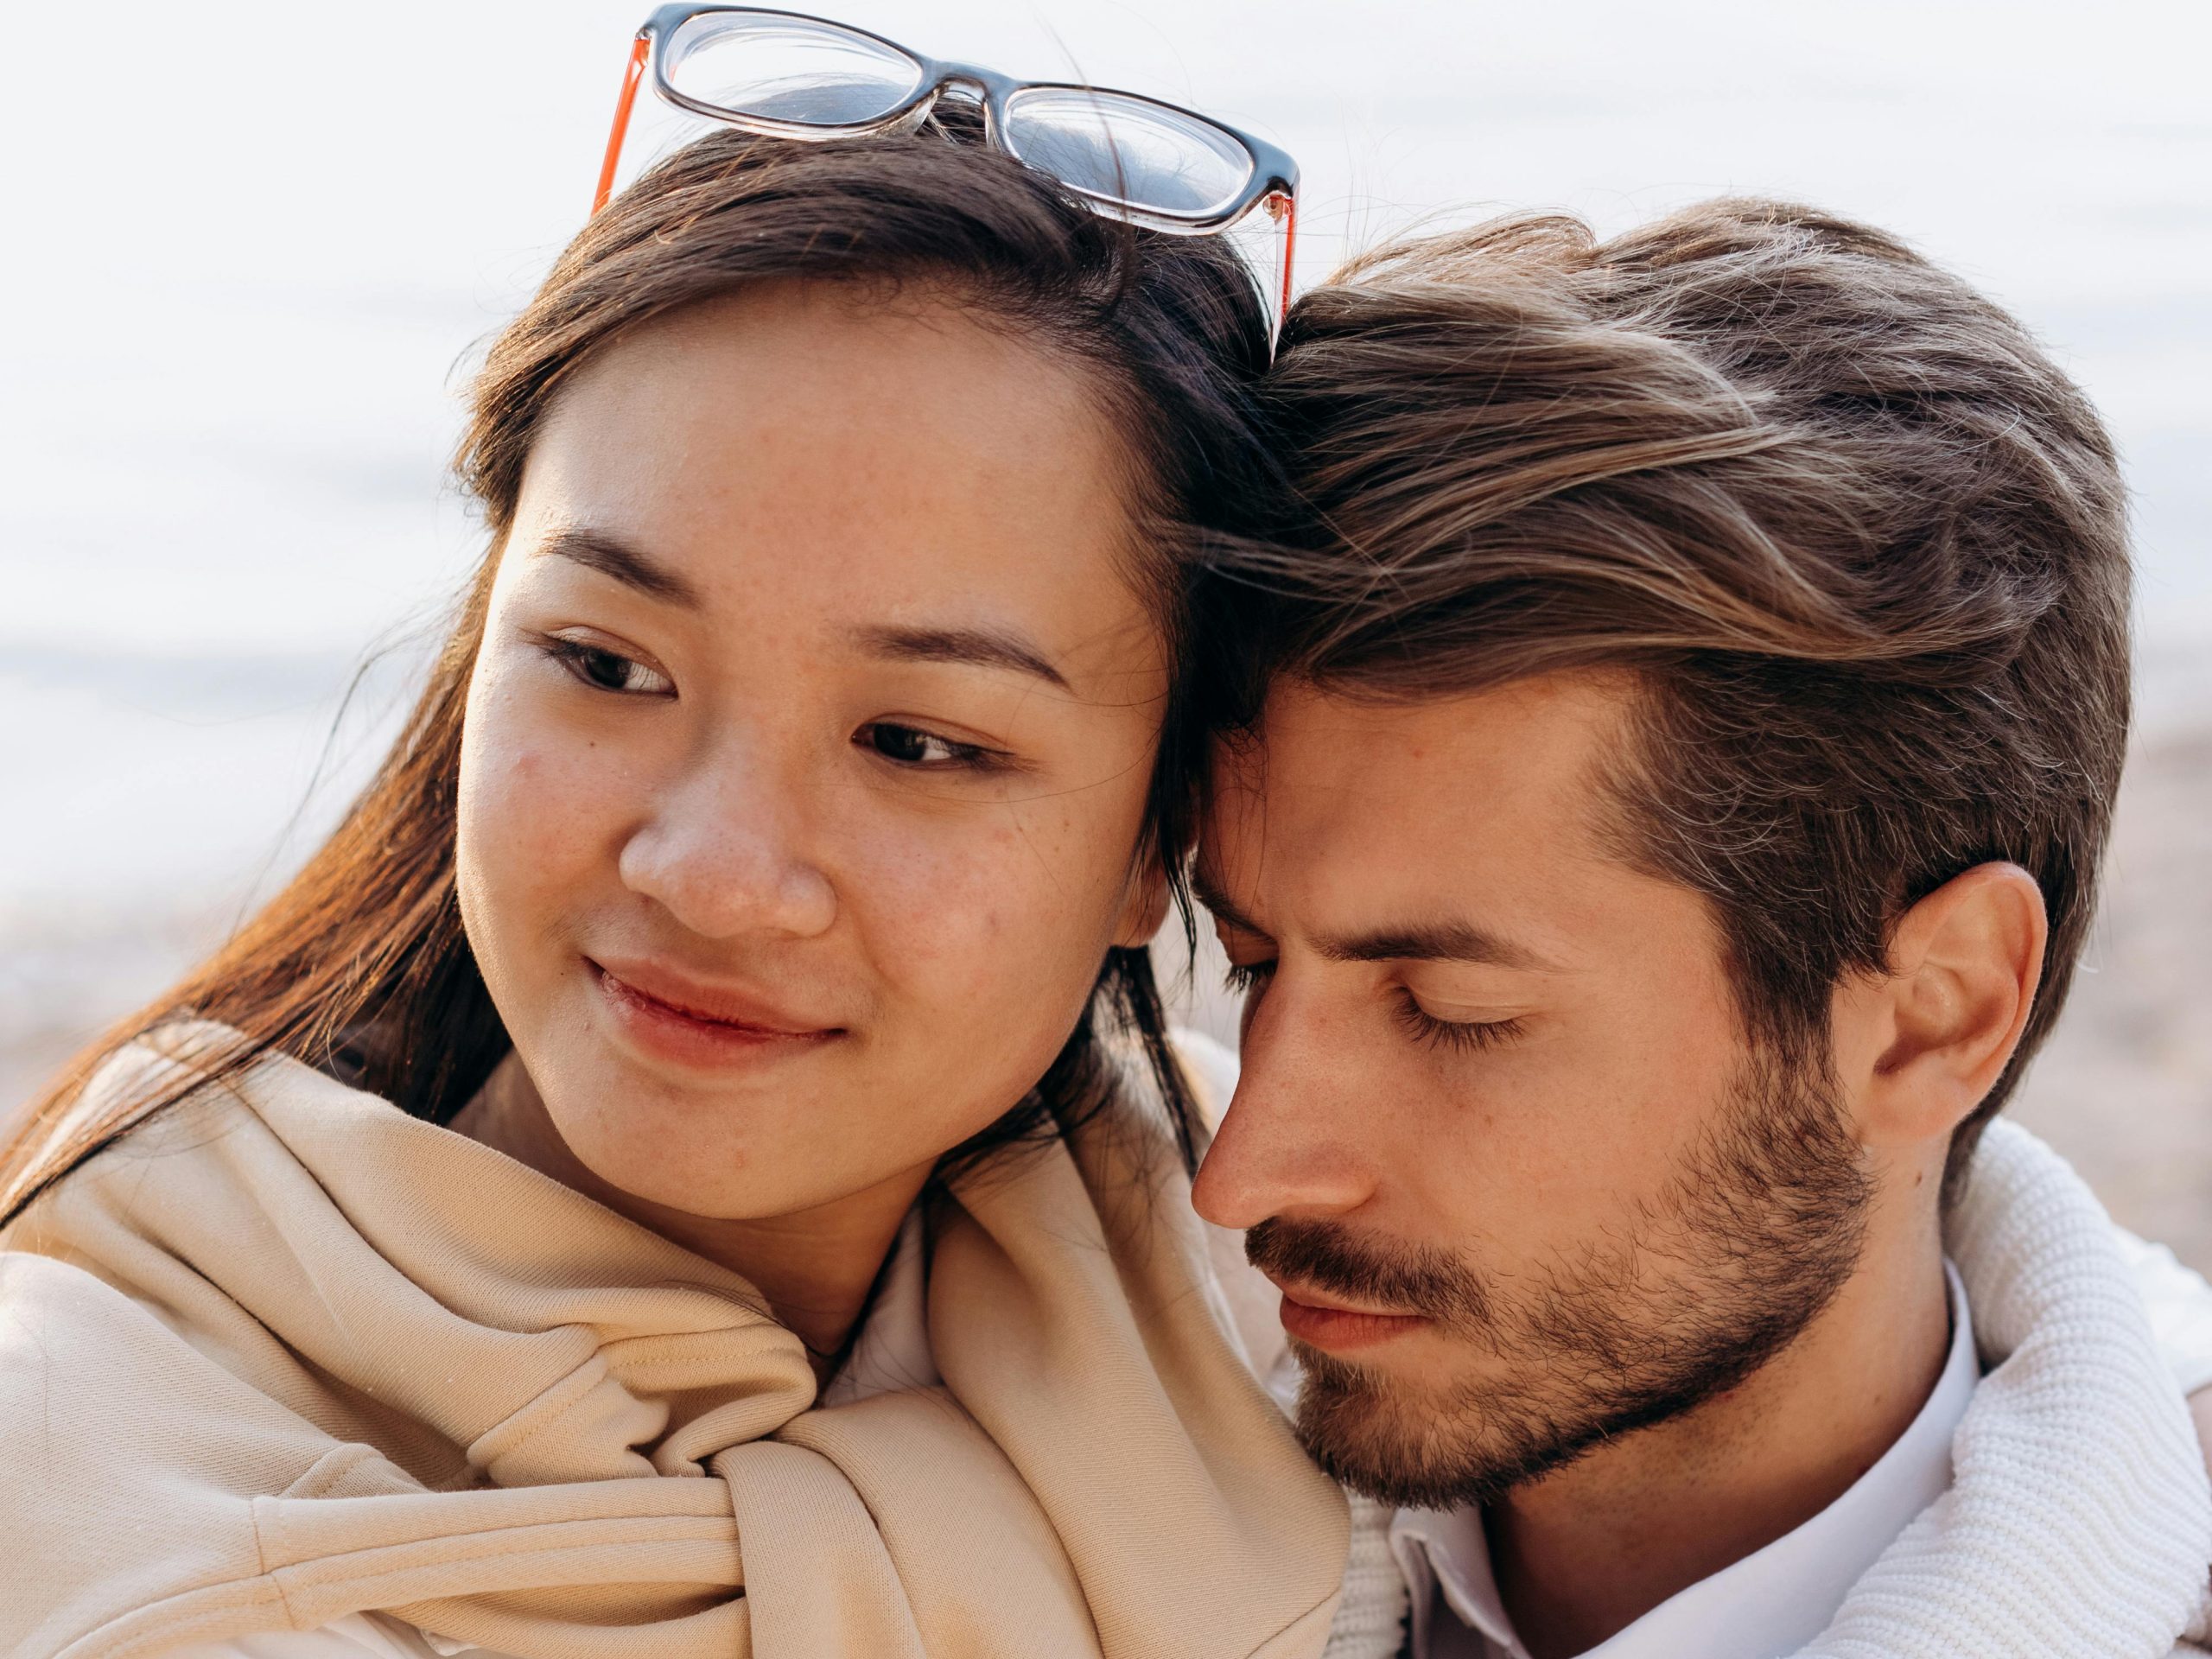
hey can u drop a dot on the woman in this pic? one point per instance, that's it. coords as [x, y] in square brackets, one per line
[777, 842]
[770, 1245]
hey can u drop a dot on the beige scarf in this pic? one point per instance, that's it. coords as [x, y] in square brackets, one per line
[285, 1354]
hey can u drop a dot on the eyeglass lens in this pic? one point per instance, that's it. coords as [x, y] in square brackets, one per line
[788, 69]
[1128, 151]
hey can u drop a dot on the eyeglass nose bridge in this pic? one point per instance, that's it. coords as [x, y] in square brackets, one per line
[990, 88]
[934, 75]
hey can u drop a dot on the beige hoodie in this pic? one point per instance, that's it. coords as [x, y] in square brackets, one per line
[285, 1354]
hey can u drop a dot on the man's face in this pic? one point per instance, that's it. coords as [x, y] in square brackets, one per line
[1500, 1137]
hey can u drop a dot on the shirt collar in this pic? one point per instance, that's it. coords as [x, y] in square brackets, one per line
[1770, 1603]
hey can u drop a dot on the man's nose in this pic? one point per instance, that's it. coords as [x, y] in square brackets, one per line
[728, 852]
[1288, 1144]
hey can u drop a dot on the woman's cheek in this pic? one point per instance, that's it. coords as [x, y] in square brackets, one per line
[540, 807]
[1020, 910]
[924, 893]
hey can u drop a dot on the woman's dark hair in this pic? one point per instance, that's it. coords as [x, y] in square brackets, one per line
[360, 965]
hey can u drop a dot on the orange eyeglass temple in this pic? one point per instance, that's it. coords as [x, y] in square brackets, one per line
[1288, 214]
[631, 77]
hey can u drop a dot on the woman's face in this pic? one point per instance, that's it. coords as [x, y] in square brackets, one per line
[806, 756]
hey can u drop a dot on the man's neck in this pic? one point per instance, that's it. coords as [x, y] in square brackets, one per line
[1585, 1553]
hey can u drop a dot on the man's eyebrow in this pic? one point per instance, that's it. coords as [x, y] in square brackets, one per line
[1445, 941]
[982, 647]
[612, 556]
[1208, 892]
[1448, 941]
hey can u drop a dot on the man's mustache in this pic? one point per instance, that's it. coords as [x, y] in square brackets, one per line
[1387, 1278]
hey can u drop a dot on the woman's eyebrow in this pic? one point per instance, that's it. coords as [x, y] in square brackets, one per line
[983, 647]
[612, 556]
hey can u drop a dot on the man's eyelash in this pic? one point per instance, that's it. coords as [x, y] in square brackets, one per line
[1241, 976]
[1464, 1036]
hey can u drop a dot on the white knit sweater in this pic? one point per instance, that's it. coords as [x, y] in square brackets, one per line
[2079, 1522]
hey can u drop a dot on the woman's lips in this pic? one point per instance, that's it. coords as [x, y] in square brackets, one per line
[694, 1025]
[1342, 1329]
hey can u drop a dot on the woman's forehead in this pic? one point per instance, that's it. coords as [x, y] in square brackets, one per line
[788, 459]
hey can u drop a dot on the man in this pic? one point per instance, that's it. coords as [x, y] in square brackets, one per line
[1670, 820]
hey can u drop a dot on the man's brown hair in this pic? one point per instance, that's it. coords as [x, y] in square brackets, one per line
[1861, 544]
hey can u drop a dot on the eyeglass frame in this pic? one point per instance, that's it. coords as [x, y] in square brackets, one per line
[1273, 179]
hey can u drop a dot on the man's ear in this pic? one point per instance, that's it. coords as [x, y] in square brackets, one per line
[1145, 908]
[1936, 1031]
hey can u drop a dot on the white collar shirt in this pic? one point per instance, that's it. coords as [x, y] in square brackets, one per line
[1770, 1603]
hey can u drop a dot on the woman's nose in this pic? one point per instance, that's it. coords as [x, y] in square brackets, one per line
[725, 851]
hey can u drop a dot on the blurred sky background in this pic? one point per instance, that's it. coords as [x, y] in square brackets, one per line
[253, 249]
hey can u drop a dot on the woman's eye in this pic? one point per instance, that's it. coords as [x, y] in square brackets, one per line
[909, 745]
[608, 670]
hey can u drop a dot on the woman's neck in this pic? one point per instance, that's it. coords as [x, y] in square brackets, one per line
[814, 1266]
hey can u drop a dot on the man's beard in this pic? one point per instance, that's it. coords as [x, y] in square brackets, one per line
[1750, 1239]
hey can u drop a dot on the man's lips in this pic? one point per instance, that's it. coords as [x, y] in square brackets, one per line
[683, 1020]
[1324, 1321]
